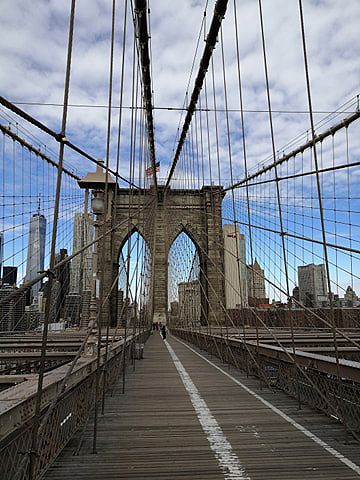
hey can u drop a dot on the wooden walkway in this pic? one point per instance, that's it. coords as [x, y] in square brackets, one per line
[181, 418]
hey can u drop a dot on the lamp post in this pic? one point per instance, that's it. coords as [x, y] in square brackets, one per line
[97, 208]
[96, 182]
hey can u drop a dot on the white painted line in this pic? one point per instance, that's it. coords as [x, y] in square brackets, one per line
[228, 460]
[305, 431]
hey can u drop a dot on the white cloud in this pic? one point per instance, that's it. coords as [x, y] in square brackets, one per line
[33, 57]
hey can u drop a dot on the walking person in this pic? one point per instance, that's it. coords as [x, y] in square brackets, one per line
[163, 332]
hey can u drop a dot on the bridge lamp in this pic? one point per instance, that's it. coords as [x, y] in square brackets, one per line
[97, 202]
[96, 182]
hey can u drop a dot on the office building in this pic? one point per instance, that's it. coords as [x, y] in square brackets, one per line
[54, 314]
[236, 293]
[189, 301]
[34, 316]
[313, 291]
[350, 298]
[9, 275]
[1, 252]
[120, 307]
[296, 294]
[85, 302]
[81, 265]
[62, 274]
[36, 250]
[174, 309]
[71, 310]
[173, 313]
[256, 285]
[12, 312]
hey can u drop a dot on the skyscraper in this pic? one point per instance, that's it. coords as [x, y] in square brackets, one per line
[54, 315]
[62, 274]
[1, 251]
[36, 250]
[12, 312]
[189, 301]
[256, 284]
[235, 267]
[72, 308]
[120, 309]
[312, 280]
[350, 298]
[9, 275]
[83, 234]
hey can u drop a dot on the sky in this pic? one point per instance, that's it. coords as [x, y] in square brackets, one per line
[33, 55]
[34, 52]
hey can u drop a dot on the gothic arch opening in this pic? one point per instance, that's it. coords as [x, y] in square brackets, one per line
[133, 302]
[184, 282]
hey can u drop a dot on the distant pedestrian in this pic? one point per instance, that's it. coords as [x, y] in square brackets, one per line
[163, 332]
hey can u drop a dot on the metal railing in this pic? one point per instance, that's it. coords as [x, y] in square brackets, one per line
[338, 400]
[71, 412]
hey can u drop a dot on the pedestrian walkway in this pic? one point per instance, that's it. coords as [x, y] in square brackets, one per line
[183, 418]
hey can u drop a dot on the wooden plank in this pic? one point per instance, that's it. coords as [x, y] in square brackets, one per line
[152, 430]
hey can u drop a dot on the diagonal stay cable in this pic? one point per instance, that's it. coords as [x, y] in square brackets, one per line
[316, 138]
[7, 131]
[57, 136]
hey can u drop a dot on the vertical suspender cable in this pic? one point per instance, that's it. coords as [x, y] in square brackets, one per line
[318, 187]
[245, 165]
[278, 195]
[106, 202]
[218, 15]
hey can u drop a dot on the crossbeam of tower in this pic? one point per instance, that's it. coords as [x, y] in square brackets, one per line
[218, 16]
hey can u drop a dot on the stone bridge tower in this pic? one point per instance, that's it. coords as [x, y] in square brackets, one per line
[160, 219]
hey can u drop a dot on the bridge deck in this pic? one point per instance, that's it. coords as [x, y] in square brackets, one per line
[182, 418]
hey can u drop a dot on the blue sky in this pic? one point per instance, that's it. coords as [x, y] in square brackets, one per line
[33, 55]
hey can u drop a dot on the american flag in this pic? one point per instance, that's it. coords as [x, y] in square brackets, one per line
[149, 170]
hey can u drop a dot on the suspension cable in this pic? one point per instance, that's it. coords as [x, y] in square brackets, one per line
[218, 15]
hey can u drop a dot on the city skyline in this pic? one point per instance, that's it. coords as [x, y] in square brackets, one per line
[37, 262]
[288, 96]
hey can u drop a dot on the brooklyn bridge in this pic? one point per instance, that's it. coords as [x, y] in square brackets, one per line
[179, 240]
